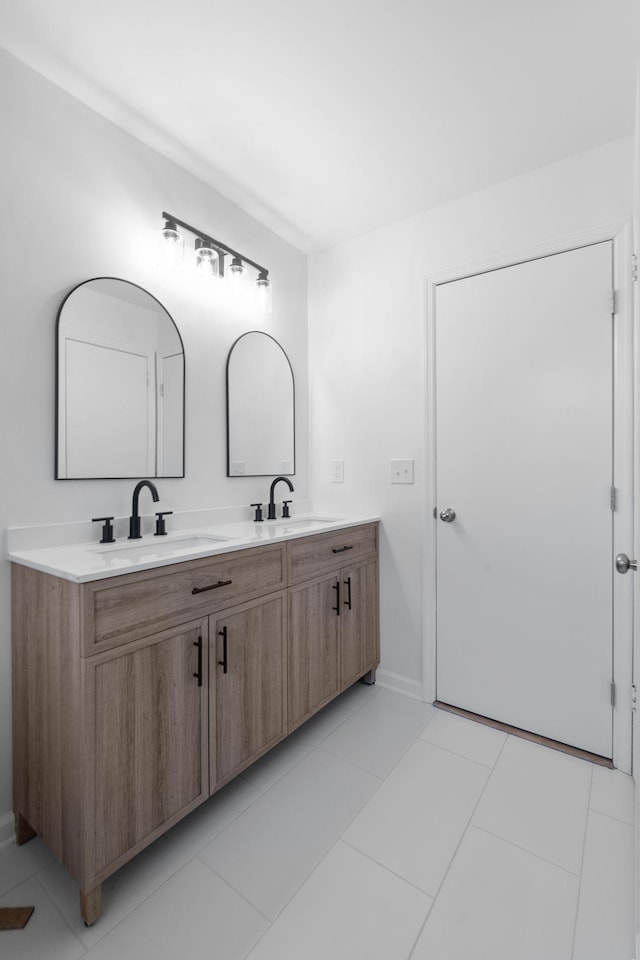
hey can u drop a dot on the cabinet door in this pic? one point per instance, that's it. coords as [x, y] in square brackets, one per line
[359, 639]
[149, 745]
[248, 685]
[314, 620]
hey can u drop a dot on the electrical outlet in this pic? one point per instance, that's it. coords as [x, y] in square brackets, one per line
[402, 471]
[237, 468]
[337, 471]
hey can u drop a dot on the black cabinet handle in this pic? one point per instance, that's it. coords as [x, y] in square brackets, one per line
[198, 643]
[223, 663]
[347, 584]
[212, 586]
[341, 549]
[336, 587]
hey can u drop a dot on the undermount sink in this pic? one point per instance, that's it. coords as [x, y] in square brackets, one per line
[158, 549]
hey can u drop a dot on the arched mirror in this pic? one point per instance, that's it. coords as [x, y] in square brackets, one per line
[119, 385]
[260, 408]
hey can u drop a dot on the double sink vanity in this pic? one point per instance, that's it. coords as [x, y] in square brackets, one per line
[148, 673]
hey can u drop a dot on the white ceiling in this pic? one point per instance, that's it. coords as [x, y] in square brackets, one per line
[327, 119]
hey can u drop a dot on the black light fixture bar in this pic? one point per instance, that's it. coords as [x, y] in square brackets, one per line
[216, 243]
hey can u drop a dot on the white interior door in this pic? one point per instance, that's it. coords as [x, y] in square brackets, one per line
[636, 420]
[170, 406]
[110, 411]
[524, 423]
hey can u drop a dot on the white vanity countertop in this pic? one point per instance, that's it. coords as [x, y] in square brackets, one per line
[81, 562]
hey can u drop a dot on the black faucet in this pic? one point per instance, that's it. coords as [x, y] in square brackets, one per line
[134, 519]
[271, 514]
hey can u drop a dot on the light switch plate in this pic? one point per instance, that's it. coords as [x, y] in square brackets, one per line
[337, 471]
[402, 471]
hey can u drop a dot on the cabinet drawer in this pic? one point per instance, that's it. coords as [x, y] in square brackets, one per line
[324, 552]
[122, 609]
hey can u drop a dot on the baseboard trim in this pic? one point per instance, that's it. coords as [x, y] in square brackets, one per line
[7, 830]
[399, 683]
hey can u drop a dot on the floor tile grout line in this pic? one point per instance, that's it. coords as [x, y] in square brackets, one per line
[391, 769]
[455, 753]
[305, 755]
[59, 911]
[460, 756]
[610, 816]
[517, 846]
[292, 897]
[323, 856]
[383, 866]
[584, 847]
[29, 876]
[455, 852]
[236, 891]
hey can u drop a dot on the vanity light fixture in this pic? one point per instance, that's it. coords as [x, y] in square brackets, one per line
[210, 258]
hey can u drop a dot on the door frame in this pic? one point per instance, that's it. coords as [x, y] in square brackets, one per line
[626, 367]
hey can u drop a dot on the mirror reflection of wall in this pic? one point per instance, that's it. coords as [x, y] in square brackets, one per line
[260, 408]
[120, 384]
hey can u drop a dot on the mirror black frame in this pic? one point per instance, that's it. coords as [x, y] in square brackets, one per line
[293, 386]
[175, 476]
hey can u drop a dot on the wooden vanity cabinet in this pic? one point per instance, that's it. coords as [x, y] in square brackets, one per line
[147, 715]
[136, 697]
[334, 633]
[248, 685]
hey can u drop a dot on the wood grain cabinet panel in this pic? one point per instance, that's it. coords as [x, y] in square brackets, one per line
[248, 685]
[150, 723]
[359, 634]
[313, 661]
[122, 609]
[313, 556]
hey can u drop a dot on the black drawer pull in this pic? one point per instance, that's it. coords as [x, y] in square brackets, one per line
[212, 586]
[347, 584]
[336, 587]
[198, 643]
[341, 549]
[223, 663]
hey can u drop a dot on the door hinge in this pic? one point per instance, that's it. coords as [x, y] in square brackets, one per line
[162, 390]
[634, 266]
[613, 694]
[614, 301]
[634, 697]
[613, 497]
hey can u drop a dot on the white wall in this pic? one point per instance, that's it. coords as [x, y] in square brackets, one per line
[367, 310]
[81, 199]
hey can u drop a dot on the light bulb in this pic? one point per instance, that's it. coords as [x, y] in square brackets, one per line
[236, 270]
[264, 292]
[172, 245]
[207, 259]
[170, 232]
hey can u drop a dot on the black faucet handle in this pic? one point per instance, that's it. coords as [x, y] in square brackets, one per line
[107, 529]
[258, 517]
[285, 508]
[160, 527]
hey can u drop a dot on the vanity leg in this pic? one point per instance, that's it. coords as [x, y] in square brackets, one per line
[24, 830]
[91, 905]
[369, 678]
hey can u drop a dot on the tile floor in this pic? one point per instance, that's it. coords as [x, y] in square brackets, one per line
[382, 829]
